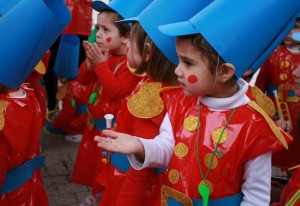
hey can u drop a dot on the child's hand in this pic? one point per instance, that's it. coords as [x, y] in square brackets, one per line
[119, 142]
[285, 125]
[89, 55]
[100, 55]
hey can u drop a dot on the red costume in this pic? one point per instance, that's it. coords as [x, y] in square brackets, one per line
[225, 142]
[21, 125]
[72, 118]
[112, 81]
[81, 12]
[144, 108]
[276, 73]
[291, 193]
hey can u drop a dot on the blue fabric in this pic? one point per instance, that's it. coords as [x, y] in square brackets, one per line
[234, 200]
[17, 176]
[81, 109]
[100, 124]
[270, 89]
[121, 162]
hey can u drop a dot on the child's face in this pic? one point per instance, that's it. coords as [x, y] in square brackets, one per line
[108, 35]
[134, 57]
[193, 71]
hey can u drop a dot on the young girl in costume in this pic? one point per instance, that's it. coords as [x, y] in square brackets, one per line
[142, 112]
[275, 75]
[72, 117]
[20, 112]
[216, 143]
[106, 69]
[291, 192]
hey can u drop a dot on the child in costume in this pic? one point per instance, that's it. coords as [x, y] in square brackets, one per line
[216, 143]
[142, 112]
[21, 117]
[106, 69]
[291, 192]
[275, 75]
[74, 96]
[80, 24]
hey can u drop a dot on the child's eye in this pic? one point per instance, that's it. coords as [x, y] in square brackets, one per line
[97, 28]
[187, 63]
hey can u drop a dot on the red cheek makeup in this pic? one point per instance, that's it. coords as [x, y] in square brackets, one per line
[192, 79]
[108, 39]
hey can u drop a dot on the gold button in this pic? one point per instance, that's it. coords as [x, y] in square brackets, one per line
[190, 123]
[181, 150]
[173, 176]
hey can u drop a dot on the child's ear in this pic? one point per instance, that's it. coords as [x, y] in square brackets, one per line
[146, 52]
[226, 72]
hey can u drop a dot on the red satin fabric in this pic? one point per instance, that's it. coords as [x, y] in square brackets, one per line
[19, 143]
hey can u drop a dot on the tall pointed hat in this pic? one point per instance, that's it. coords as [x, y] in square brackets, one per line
[126, 8]
[28, 29]
[244, 33]
[172, 11]
[67, 58]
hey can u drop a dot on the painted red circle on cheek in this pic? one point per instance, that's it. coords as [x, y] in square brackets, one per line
[108, 39]
[192, 79]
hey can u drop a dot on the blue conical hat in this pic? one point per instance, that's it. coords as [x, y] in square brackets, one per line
[244, 33]
[126, 8]
[66, 61]
[28, 29]
[171, 11]
[6, 6]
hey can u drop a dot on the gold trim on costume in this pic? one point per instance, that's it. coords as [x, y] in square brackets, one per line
[263, 101]
[270, 122]
[3, 105]
[207, 159]
[173, 176]
[167, 192]
[217, 134]
[190, 123]
[181, 150]
[40, 68]
[146, 103]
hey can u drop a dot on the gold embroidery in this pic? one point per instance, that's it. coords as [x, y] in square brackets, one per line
[283, 88]
[146, 103]
[62, 91]
[263, 101]
[207, 159]
[167, 192]
[173, 176]
[40, 68]
[285, 64]
[271, 123]
[181, 150]
[3, 105]
[190, 123]
[217, 134]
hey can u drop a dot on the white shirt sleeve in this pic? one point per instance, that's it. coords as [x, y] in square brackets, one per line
[158, 151]
[257, 186]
